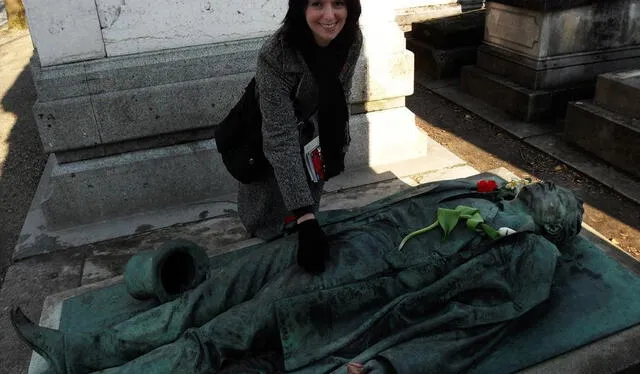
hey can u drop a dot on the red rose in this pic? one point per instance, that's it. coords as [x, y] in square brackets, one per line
[487, 185]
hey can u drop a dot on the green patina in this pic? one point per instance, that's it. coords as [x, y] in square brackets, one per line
[469, 303]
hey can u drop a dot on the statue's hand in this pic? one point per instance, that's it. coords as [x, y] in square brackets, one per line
[313, 247]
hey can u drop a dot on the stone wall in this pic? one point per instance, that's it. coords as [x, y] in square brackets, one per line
[127, 110]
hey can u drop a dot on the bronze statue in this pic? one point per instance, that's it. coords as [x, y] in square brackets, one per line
[374, 305]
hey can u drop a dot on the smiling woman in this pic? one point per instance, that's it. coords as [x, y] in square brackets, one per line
[326, 18]
[303, 82]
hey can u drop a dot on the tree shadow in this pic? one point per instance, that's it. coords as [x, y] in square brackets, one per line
[25, 160]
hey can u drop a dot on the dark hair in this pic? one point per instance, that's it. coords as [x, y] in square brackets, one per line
[297, 33]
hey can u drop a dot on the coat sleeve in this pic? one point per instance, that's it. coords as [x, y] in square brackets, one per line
[281, 141]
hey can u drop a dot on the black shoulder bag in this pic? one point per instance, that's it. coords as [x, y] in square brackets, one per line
[239, 139]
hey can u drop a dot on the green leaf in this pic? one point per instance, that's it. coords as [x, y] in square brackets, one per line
[466, 211]
[415, 233]
[474, 221]
[448, 219]
[490, 231]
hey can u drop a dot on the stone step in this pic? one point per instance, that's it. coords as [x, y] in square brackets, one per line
[619, 92]
[608, 135]
[522, 102]
[465, 29]
[441, 63]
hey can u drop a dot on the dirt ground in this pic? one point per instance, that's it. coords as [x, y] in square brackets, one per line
[485, 147]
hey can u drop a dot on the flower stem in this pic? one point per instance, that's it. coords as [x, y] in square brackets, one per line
[418, 232]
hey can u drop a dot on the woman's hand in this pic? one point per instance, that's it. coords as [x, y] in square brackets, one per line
[313, 247]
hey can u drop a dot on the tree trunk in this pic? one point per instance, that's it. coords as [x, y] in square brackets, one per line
[15, 14]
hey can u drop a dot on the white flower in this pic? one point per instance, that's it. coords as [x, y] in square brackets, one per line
[506, 231]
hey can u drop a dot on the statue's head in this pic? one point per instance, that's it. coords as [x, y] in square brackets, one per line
[556, 211]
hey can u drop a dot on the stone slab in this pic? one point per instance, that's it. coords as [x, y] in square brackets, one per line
[385, 137]
[59, 81]
[101, 189]
[146, 25]
[556, 72]
[89, 192]
[518, 128]
[145, 69]
[612, 137]
[556, 146]
[465, 29]
[619, 92]
[441, 63]
[189, 96]
[523, 103]
[409, 12]
[151, 25]
[218, 235]
[545, 5]
[381, 77]
[164, 109]
[437, 158]
[67, 124]
[598, 26]
[64, 30]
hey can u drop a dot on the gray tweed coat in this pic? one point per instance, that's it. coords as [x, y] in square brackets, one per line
[288, 96]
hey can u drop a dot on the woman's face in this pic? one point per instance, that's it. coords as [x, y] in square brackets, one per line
[326, 18]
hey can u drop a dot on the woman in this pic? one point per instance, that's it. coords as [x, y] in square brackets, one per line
[303, 79]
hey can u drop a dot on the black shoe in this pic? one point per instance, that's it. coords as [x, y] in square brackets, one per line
[46, 342]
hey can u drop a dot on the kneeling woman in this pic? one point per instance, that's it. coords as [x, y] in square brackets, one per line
[303, 80]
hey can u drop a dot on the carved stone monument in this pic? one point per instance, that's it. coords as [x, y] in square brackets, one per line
[128, 94]
[538, 55]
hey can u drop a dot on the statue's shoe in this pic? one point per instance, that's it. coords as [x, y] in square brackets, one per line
[46, 342]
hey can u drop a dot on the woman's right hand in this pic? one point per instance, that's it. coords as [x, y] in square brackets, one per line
[313, 246]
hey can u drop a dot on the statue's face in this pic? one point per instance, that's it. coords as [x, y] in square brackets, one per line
[552, 207]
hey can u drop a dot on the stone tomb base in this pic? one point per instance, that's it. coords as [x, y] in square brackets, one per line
[385, 145]
[609, 125]
[539, 55]
[523, 103]
[442, 46]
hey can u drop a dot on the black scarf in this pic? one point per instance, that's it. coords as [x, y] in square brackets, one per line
[326, 63]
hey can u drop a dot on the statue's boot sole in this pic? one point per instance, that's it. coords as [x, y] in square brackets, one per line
[46, 342]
